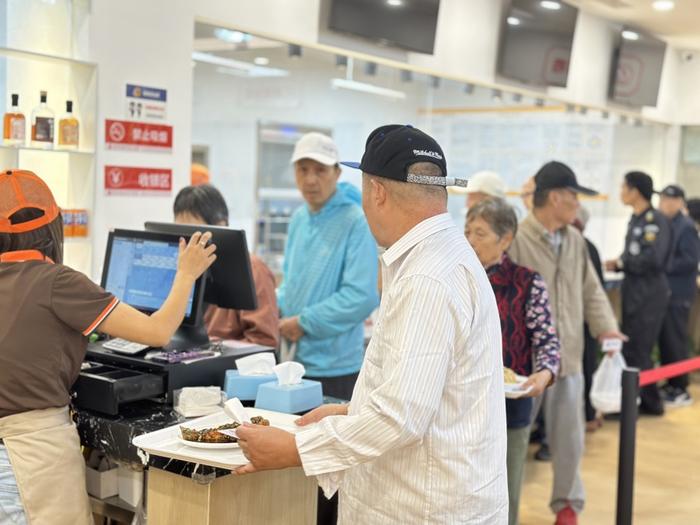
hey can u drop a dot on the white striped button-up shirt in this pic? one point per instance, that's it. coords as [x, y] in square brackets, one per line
[424, 440]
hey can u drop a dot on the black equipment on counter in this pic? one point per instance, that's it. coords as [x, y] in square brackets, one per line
[112, 379]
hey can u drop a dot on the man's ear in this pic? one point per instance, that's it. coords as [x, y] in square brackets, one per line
[555, 197]
[378, 192]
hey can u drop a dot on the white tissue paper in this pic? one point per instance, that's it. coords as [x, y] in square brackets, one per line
[198, 401]
[289, 373]
[236, 411]
[256, 364]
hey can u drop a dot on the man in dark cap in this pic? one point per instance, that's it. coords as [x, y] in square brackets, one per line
[423, 438]
[645, 290]
[547, 243]
[693, 207]
[682, 272]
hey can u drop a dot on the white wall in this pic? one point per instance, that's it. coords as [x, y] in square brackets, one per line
[466, 42]
[687, 100]
[589, 69]
[227, 110]
[148, 43]
[634, 148]
[295, 20]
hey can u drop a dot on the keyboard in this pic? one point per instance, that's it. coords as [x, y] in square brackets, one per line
[122, 346]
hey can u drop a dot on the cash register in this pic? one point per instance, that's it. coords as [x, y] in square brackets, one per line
[139, 270]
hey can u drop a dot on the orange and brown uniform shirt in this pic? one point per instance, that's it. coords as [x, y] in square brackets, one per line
[46, 313]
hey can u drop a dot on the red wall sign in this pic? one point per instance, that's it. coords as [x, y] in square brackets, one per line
[126, 134]
[122, 179]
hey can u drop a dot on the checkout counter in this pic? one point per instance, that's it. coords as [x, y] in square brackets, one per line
[177, 490]
[120, 396]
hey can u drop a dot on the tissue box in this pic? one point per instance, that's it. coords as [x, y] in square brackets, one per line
[197, 401]
[244, 388]
[103, 484]
[291, 399]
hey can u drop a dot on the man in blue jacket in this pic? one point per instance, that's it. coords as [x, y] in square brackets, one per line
[682, 272]
[330, 269]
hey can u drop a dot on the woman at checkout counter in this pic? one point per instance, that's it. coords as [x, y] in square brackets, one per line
[530, 342]
[47, 311]
[204, 204]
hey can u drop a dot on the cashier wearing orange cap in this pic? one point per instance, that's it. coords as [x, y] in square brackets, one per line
[47, 310]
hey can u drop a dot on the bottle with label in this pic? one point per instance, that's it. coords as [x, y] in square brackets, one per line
[14, 128]
[68, 129]
[42, 124]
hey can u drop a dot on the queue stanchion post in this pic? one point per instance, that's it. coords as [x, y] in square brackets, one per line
[628, 436]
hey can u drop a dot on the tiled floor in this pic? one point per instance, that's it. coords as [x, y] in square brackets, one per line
[667, 482]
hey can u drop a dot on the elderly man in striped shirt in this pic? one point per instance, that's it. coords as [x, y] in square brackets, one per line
[423, 439]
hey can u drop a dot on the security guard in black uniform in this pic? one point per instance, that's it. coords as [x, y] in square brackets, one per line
[645, 289]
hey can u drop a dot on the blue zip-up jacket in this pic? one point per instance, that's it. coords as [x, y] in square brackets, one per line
[330, 281]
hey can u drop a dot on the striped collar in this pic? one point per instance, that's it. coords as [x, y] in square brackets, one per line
[418, 233]
[23, 256]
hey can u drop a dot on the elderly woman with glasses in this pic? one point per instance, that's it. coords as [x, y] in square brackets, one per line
[530, 343]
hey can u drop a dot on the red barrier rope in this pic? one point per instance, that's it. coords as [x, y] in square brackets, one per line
[648, 377]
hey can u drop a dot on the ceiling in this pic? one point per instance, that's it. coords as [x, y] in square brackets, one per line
[679, 27]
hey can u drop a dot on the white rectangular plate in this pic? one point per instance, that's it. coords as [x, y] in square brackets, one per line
[167, 443]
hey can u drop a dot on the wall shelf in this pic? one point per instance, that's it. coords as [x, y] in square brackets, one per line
[45, 150]
[77, 240]
[69, 173]
[9, 52]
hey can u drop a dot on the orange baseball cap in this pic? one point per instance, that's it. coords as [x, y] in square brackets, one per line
[20, 189]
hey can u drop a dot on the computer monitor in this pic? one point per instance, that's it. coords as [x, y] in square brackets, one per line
[230, 281]
[139, 269]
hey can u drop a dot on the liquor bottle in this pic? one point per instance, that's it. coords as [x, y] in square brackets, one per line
[14, 128]
[68, 129]
[42, 124]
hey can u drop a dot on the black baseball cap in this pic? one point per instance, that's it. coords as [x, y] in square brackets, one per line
[673, 190]
[556, 175]
[391, 149]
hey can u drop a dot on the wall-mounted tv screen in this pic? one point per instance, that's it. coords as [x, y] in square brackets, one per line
[636, 68]
[536, 41]
[408, 24]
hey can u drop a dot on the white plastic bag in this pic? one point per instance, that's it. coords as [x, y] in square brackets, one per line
[606, 390]
[288, 350]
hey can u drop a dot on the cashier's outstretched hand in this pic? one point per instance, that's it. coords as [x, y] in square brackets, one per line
[196, 255]
[266, 448]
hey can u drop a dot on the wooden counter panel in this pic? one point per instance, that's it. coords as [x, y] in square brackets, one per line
[285, 497]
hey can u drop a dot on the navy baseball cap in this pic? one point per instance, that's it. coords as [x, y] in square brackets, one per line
[673, 190]
[557, 175]
[391, 149]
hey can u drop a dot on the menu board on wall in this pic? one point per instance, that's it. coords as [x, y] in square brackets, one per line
[516, 146]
